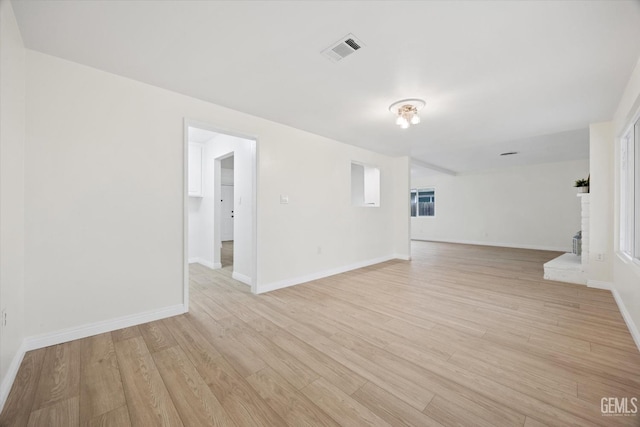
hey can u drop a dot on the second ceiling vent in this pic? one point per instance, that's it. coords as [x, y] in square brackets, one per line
[343, 48]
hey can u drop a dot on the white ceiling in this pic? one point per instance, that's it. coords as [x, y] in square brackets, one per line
[525, 76]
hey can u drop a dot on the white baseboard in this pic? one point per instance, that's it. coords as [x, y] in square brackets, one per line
[499, 244]
[633, 328]
[9, 378]
[319, 275]
[211, 265]
[599, 284]
[241, 278]
[70, 334]
[402, 257]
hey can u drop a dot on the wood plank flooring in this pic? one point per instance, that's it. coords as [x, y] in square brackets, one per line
[460, 336]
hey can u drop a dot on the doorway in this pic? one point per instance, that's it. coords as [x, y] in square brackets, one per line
[227, 208]
[220, 220]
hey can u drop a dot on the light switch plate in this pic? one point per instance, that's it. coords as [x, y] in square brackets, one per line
[284, 199]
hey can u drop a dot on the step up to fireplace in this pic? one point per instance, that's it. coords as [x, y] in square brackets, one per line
[572, 268]
[565, 268]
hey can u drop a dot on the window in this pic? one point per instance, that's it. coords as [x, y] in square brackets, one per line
[630, 192]
[365, 185]
[423, 202]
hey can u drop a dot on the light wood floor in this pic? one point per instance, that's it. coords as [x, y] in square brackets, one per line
[462, 335]
[226, 255]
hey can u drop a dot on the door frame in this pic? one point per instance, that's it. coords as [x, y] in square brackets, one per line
[187, 123]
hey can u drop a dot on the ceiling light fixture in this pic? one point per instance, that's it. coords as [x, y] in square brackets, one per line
[407, 111]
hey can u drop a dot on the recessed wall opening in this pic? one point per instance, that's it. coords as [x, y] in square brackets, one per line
[365, 185]
[220, 202]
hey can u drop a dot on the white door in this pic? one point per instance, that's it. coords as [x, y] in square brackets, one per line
[227, 213]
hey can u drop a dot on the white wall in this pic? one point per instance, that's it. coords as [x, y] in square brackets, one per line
[527, 206]
[200, 227]
[319, 230]
[357, 184]
[104, 197]
[198, 233]
[201, 209]
[401, 175]
[227, 176]
[626, 276]
[601, 206]
[12, 122]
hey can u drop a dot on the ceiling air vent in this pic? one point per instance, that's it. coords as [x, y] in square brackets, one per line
[343, 48]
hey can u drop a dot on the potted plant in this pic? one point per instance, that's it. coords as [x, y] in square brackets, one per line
[582, 185]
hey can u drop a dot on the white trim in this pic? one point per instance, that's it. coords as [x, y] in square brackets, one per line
[599, 284]
[633, 329]
[254, 214]
[12, 372]
[503, 245]
[185, 214]
[321, 274]
[74, 333]
[402, 257]
[70, 334]
[241, 278]
[623, 257]
[211, 265]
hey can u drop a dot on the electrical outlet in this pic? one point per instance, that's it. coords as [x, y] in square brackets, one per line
[3, 316]
[600, 257]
